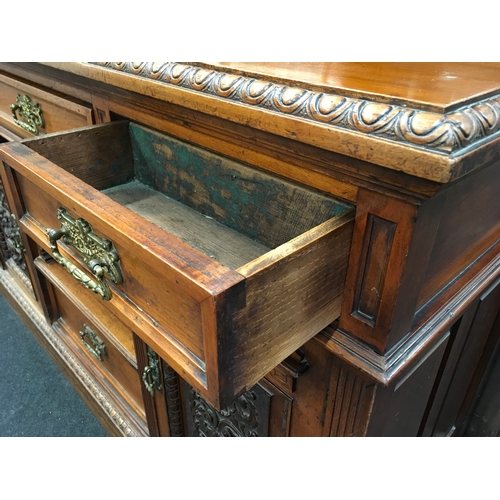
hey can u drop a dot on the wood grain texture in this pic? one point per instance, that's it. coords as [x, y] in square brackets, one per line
[369, 120]
[377, 246]
[199, 315]
[118, 364]
[352, 396]
[415, 147]
[223, 244]
[437, 86]
[309, 165]
[274, 285]
[265, 208]
[110, 411]
[469, 226]
[59, 113]
[376, 265]
[173, 399]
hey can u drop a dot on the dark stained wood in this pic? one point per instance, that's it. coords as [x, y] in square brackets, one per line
[173, 400]
[381, 237]
[469, 225]
[149, 402]
[398, 409]
[483, 414]
[486, 331]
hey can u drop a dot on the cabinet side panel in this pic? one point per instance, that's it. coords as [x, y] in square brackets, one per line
[470, 224]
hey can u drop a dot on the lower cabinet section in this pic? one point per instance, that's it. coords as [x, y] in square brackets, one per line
[313, 392]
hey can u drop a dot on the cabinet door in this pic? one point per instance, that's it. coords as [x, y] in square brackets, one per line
[472, 343]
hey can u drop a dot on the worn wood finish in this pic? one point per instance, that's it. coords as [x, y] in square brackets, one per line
[381, 238]
[226, 246]
[287, 157]
[362, 135]
[79, 309]
[195, 331]
[470, 225]
[318, 300]
[101, 399]
[436, 86]
[58, 113]
[416, 156]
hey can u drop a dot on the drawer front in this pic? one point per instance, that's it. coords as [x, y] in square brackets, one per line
[38, 111]
[105, 342]
[222, 329]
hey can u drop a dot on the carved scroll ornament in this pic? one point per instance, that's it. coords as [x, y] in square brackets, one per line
[10, 238]
[438, 132]
[246, 417]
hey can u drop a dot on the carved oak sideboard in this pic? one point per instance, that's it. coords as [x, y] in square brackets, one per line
[257, 249]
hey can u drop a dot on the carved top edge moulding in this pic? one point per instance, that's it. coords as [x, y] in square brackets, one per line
[446, 135]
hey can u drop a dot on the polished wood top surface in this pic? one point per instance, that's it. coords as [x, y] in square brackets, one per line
[436, 121]
[438, 87]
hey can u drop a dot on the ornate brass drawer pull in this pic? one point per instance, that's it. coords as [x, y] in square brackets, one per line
[30, 112]
[98, 347]
[99, 254]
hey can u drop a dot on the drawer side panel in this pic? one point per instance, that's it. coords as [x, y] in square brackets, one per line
[289, 302]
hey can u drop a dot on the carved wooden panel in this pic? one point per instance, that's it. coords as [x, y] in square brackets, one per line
[445, 132]
[377, 245]
[11, 245]
[248, 416]
[173, 400]
[351, 399]
[379, 251]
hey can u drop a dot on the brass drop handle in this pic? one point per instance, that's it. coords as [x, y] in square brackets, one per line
[99, 286]
[30, 112]
[100, 256]
[98, 347]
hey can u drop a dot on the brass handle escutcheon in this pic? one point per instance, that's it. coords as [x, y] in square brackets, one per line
[99, 254]
[30, 112]
[98, 347]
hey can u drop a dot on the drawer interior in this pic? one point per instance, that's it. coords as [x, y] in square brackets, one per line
[231, 212]
[245, 269]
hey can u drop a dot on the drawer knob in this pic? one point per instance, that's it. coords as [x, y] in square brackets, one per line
[99, 254]
[98, 347]
[30, 112]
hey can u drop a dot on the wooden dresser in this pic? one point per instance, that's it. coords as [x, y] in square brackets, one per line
[257, 249]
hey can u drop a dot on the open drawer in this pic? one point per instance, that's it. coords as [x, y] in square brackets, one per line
[222, 269]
